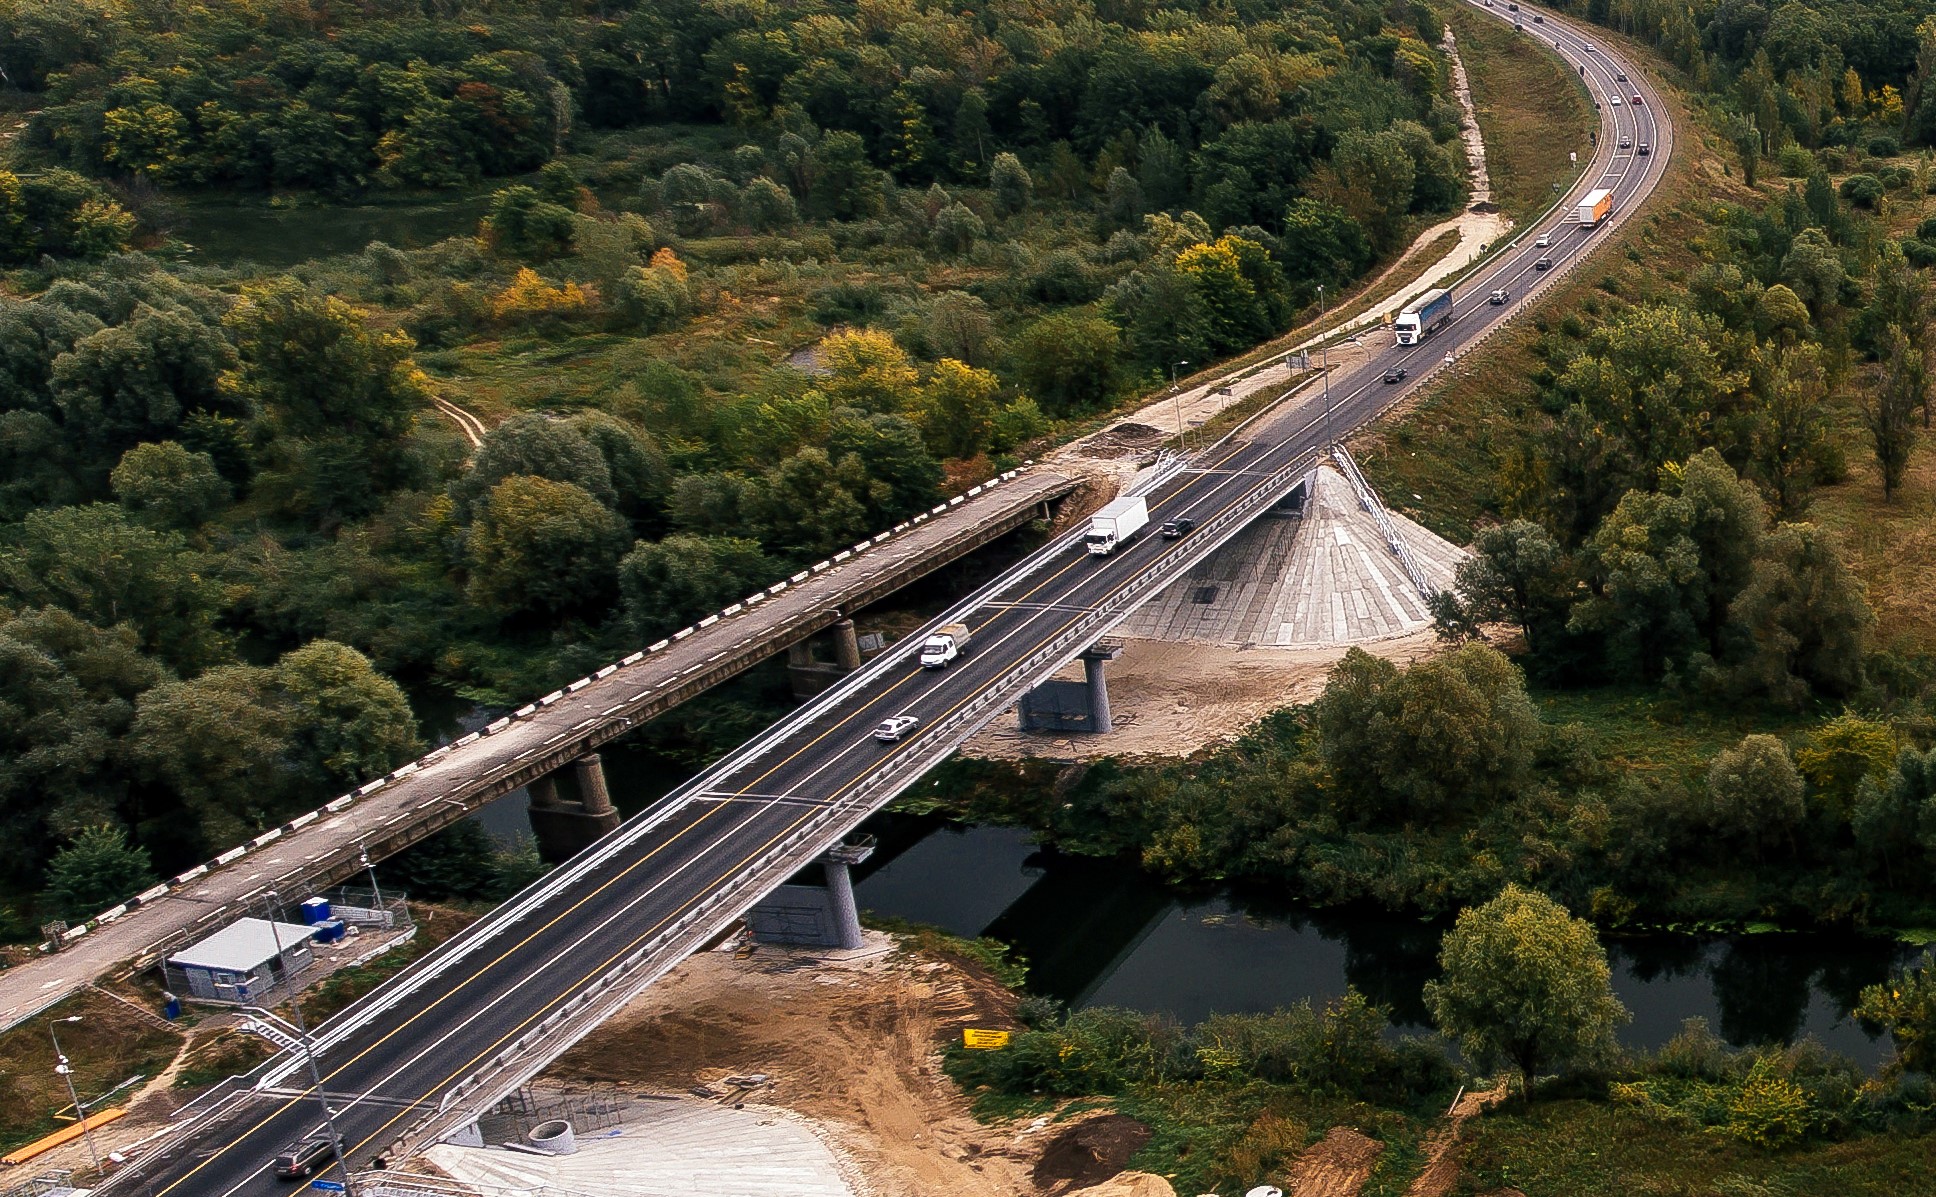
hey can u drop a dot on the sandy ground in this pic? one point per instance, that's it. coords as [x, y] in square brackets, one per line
[1337, 1165]
[1171, 699]
[1441, 1169]
[850, 1044]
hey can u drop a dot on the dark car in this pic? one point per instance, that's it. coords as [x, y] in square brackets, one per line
[1497, 298]
[1642, 150]
[1543, 264]
[301, 1159]
[1178, 528]
[1620, 77]
[1538, 20]
[1395, 374]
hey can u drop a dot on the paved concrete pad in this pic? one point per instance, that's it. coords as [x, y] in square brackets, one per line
[667, 1149]
[1324, 577]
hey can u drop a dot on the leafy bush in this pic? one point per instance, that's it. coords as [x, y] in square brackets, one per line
[1862, 190]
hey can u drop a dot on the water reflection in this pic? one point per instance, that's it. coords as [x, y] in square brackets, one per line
[1102, 933]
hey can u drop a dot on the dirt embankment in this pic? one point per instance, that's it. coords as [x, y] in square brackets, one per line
[854, 1046]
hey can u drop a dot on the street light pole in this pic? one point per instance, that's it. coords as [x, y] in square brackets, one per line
[1176, 398]
[309, 1051]
[67, 1074]
[1324, 366]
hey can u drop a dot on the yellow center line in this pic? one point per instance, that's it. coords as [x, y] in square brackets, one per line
[453, 991]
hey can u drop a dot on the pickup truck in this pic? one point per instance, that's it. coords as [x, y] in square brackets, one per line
[944, 646]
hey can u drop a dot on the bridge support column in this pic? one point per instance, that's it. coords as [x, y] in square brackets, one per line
[1092, 676]
[564, 828]
[812, 915]
[846, 646]
[1068, 706]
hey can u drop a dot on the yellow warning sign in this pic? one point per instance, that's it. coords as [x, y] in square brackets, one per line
[976, 1037]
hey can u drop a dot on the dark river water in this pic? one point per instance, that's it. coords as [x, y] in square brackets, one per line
[1100, 932]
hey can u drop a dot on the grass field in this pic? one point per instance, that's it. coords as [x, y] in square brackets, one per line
[1574, 1148]
[1532, 112]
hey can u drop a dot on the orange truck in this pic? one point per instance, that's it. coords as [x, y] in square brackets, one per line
[1595, 207]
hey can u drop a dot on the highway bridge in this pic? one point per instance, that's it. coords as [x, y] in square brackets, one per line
[479, 1016]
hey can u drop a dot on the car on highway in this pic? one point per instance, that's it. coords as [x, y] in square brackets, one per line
[1620, 76]
[1642, 150]
[1395, 374]
[1538, 20]
[1178, 528]
[1590, 49]
[1543, 264]
[1626, 143]
[1544, 240]
[1636, 99]
[895, 727]
[1519, 25]
[301, 1159]
[1497, 298]
[1615, 101]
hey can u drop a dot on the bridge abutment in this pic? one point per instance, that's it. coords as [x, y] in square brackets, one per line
[565, 828]
[809, 676]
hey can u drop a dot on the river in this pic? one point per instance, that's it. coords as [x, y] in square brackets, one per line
[1102, 932]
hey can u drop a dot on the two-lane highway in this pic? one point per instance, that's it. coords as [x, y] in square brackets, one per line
[696, 858]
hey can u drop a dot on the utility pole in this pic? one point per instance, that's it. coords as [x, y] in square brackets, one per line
[67, 1074]
[1177, 399]
[309, 1050]
[1324, 366]
[363, 854]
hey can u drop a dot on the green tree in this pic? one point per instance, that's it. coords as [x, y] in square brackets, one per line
[214, 743]
[1888, 408]
[957, 229]
[539, 446]
[1011, 184]
[525, 225]
[1447, 734]
[1895, 814]
[99, 869]
[867, 370]
[845, 185]
[1068, 361]
[676, 581]
[93, 562]
[1789, 440]
[1841, 755]
[1746, 136]
[347, 722]
[168, 486]
[1802, 624]
[1905, 1005]
[767, 206]
[139, 381]
[1754, 793]
[543, 547]
[1667, 565]
[1525, 982]
[1517, 573]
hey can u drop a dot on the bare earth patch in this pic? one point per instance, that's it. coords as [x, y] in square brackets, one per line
[1441, 1169]
[1335, 1166]
[852, 1045]
[1173, 699]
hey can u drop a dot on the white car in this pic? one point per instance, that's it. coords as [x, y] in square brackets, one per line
[1615, 101]
[1545, 239]
[895, 728]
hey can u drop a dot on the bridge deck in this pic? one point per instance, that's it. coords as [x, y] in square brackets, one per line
[326, 848]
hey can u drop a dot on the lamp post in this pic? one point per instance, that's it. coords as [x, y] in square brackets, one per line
[309, 1051]
[1324, 366]
[363, 854]
[67, 1074]
[1177, 399]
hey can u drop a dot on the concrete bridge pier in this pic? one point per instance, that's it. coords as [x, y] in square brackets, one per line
[810, 676]
[565, 828]
[812, 915]
[1071, 706]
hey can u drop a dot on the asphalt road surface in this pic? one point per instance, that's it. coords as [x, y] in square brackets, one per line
[397, 1053]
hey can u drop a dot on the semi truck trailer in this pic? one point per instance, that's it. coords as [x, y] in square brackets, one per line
[1424, 316]
[1113, 526]
[1595, 207]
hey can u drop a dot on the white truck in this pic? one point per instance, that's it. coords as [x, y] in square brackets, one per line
[1423, 316]
[1113, 526]
[944, 646]
[1595, 206]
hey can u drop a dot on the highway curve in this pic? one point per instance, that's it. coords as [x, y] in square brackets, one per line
[672, 875]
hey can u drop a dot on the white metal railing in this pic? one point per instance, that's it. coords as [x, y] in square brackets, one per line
[1369, 500]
